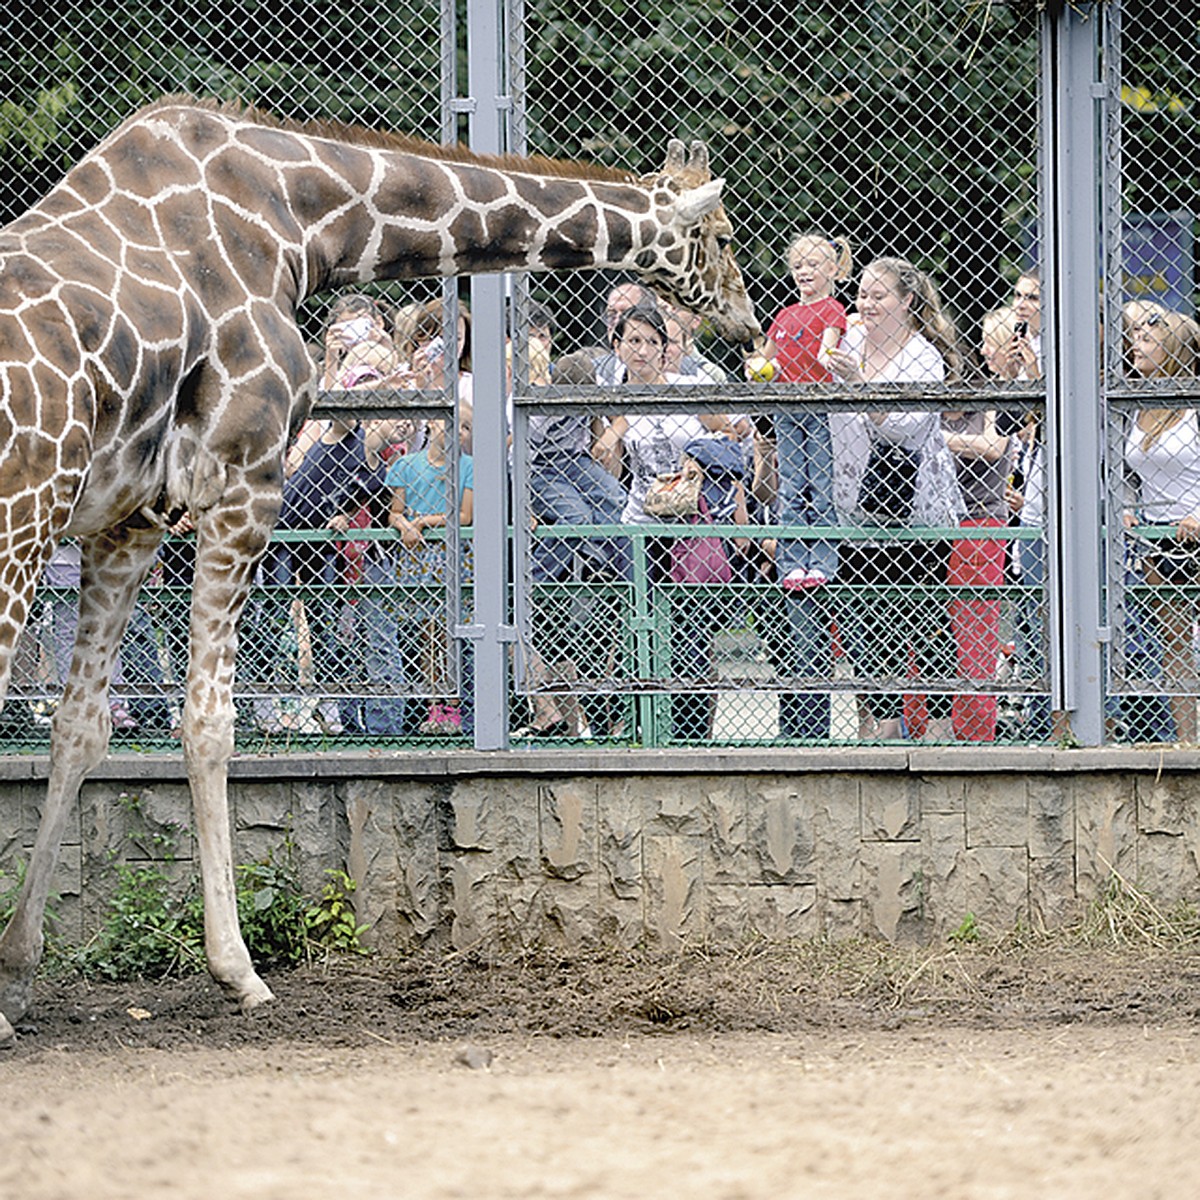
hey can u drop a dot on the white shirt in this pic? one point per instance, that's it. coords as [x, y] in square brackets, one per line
[653, 445]
[938, 500]
[1169, 470]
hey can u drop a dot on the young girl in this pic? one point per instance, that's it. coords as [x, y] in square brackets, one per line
[799, 342]
[419, 483]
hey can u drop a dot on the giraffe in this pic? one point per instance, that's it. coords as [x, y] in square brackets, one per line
[151, 365]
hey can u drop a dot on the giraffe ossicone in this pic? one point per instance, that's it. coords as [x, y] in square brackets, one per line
[151, 364]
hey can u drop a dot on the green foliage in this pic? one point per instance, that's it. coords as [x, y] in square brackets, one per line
[909, 127]
[968, 930]
[9, 891]
[146, 931]
[271, 911]
[331, 922]
[150, 929]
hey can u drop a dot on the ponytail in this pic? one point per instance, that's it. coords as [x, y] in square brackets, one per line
[837, 247]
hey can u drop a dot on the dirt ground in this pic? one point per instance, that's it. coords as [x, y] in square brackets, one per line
[842, 1072]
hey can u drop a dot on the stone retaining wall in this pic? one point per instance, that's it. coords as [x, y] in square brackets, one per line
[628, 847]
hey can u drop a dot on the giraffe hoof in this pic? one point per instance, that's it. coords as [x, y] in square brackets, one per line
[258, 996]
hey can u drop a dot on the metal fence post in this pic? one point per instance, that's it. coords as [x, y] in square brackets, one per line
[1071, 264]
[492, 631]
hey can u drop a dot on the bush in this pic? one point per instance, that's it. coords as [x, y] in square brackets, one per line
[149, 932]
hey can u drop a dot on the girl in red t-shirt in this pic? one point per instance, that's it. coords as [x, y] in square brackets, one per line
[798, 342]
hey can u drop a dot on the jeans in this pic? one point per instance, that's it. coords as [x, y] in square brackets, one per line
[353, 639]
[809, 652]
[577, 490]
[805, 454]
[371, 635]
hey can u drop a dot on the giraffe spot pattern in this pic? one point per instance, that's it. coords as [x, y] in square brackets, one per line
[149, 354]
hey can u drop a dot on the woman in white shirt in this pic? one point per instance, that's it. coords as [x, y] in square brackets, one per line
[1162, 449]
[894, 469]
[651, 444]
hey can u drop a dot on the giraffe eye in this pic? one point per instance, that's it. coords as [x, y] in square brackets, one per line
[724, 241]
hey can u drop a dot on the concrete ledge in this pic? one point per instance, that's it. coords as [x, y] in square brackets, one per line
[455, 764]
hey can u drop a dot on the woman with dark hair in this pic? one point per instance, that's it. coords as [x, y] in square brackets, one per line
[651, 444]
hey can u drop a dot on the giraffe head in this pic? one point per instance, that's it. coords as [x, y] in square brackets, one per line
[693, 264]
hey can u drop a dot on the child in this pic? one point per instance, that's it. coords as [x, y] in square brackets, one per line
[419, 483]
[798, 342]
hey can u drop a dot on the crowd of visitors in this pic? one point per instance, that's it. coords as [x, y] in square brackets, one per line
[892, 563]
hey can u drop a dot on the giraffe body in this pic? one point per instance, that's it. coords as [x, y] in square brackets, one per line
[151, 364]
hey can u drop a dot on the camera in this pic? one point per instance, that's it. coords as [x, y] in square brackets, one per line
[1021, 329]
[355, 330]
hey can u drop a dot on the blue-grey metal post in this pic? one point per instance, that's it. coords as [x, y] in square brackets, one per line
[491, 630]
[1071, 265]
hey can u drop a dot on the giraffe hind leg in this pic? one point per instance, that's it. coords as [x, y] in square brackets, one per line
[114, 565]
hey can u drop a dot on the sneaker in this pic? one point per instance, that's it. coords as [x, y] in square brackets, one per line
[801, 580]
[122, 718]
[328, 718]
[451, 719]
[433, 721]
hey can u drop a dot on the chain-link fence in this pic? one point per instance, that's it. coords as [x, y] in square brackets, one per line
[871, 502]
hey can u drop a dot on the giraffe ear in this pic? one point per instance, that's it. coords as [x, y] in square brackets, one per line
[676, 156]
[698, 202]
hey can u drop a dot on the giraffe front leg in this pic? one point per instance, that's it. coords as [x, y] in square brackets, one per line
[225, 949]
[218, 597]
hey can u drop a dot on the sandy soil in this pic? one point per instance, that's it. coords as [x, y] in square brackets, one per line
[845, 1073]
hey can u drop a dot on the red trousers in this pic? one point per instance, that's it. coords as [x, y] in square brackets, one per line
[975, 627]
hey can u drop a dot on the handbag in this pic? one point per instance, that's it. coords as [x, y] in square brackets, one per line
[675, 494]
[700, 559]
[1173, 563]
[889, 483]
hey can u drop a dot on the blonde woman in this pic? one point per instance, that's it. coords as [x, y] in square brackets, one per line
[1162, 450]
[901, 471]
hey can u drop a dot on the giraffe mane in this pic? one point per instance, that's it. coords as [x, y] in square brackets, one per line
[358, 135]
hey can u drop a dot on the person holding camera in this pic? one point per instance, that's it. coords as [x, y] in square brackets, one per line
[1026, 348]
[359, 351]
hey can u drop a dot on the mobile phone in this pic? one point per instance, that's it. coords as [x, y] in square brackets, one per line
[1021, 329]
[435, 350]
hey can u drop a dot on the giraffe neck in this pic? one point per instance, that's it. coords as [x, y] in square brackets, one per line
[476, 219]
[287, 211]
[344, 211]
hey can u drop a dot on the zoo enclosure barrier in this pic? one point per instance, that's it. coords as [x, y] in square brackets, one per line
[976, 142]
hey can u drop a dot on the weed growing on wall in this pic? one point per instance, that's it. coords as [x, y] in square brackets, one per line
[153, 927]
[331, 921]
[146, 931]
